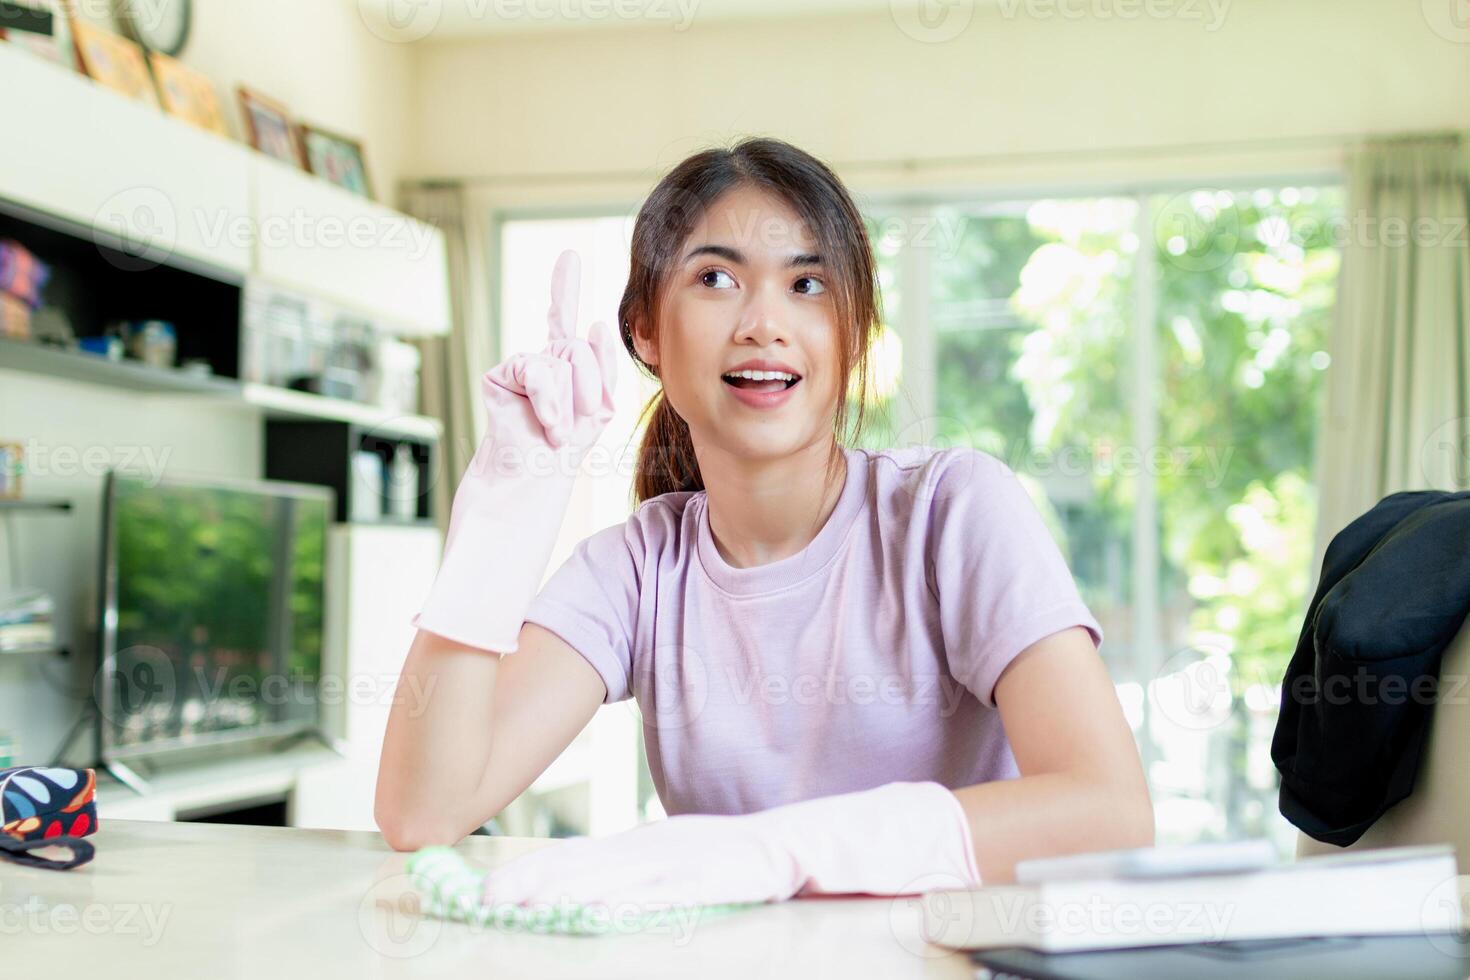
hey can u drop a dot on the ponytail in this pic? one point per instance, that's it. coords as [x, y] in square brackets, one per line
[666, 461]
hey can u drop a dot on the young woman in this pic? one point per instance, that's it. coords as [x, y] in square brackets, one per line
[857, 670]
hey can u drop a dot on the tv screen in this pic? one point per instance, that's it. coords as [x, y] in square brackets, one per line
[212, 612]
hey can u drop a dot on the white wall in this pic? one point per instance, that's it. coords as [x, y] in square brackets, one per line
[318, 57]
[1046, 97]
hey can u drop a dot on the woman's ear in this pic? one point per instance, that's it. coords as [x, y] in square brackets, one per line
[647, 351]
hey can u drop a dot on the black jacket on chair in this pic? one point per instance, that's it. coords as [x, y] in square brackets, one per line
[1361, 686]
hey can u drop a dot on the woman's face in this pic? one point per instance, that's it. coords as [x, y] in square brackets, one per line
[747, 285]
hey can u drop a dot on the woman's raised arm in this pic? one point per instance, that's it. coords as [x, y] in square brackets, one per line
[500, 698]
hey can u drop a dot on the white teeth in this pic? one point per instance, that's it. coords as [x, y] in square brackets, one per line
[762, 375]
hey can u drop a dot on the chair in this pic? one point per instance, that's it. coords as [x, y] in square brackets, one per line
[1438, 810]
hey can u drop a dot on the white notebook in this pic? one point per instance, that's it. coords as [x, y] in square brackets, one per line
[1387, 891]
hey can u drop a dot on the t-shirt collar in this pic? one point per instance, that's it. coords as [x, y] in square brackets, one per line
[796, 568]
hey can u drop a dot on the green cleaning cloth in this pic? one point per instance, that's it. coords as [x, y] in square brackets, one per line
[454, 891]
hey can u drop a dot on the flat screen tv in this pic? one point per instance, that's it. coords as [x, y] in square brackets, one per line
[212, 613]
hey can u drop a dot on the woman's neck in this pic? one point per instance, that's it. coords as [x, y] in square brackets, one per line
[761, 511]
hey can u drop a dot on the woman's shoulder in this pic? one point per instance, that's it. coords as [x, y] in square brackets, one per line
[657, 526]
[668, 515]
[936, 474]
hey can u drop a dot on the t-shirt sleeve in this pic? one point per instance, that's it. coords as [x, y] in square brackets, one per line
[998, 576]
[591, 602]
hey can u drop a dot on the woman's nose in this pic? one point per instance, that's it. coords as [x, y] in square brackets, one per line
[762, 320]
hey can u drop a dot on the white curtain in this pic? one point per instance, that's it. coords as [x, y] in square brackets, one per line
[1397, 416]
[452, 364]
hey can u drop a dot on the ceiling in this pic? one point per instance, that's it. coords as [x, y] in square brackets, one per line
[435, 20]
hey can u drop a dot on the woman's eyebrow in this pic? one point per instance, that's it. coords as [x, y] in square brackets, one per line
[738, 257]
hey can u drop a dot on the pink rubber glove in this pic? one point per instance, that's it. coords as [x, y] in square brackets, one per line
[546, 411]
[896, 839]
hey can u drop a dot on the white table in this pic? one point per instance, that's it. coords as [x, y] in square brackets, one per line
[163, 900]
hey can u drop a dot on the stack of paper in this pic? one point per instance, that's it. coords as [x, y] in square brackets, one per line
[1389, 891]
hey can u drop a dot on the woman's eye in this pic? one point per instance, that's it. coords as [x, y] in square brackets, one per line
[816, 286]
[714, 274]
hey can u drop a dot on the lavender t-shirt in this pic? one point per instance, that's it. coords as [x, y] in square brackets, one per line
[868, 657]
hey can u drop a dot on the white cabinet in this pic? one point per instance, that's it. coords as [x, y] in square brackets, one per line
[325, 241]
[76, 150]
[124, 171]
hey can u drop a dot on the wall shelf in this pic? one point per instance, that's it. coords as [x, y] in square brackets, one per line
[75, 365]
[33, 358]
[284, 403]
[34, 503]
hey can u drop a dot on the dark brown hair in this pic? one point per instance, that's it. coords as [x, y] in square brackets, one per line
[666, 460]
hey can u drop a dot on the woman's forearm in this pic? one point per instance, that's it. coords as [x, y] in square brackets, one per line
[1052, 813]
[437, 743]
[1082, 786]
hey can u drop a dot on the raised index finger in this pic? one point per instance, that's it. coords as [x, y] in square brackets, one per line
[566, 283]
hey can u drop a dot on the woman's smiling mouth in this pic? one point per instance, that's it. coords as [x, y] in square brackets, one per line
[761, 388]
[761, 380]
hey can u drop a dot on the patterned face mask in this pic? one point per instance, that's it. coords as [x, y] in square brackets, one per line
[46, 806]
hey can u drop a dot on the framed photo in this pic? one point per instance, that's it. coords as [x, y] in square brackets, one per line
[336, 158]
[114, 61]
[56, 46]
[269, 126]
[187, 94]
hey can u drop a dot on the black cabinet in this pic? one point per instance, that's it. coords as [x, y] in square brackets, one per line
[338, 454]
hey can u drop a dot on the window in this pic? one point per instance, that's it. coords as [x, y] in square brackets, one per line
[601, 784]
[1151, 367]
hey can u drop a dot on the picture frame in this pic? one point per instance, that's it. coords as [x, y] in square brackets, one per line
[269, 127]
[58, 47]
[338, 159]
[115, 62]
[188, 95]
